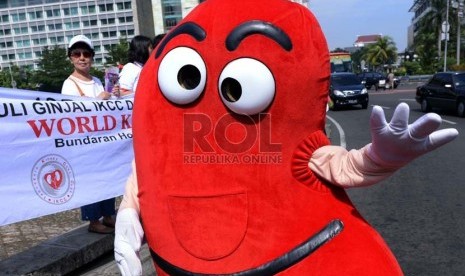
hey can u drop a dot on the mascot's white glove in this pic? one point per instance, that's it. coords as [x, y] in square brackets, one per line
[128, 240]
[397, 143]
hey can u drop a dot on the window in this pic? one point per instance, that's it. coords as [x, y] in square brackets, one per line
[123, 6]
[170, 22]
[52, 27]
[38, 54]
[35, 15]
[70, 11]
[72, 25]
[8, 57]
[18, 17]
[20, 30]
[108, 21]
[4, 18]
[53, 13]
[88, 10]
[26, 55]
[105, 7]
[109, 34]
[39, 41]
[89, 23]
[56, 40]
[23, 43]
[40, 28]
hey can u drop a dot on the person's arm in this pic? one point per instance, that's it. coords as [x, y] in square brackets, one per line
[130, 199]
[103, 95]
[393, 145]
[348, 168]
[128, 230]
[127, 78]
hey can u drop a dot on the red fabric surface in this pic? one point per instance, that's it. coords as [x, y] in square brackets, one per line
[222, 215]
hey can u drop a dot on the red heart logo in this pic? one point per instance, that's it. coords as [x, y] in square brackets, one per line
[54, 179]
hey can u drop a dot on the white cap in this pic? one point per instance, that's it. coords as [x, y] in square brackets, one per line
[80, 38]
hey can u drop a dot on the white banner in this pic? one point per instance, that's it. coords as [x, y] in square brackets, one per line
[60, 152]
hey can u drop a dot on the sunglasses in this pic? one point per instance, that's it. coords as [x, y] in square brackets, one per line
[77, 54]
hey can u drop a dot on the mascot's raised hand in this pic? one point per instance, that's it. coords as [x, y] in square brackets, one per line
[396, 143]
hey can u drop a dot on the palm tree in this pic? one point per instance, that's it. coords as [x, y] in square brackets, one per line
[384, 51]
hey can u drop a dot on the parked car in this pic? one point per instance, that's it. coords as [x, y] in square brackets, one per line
[445, 90]
[375, 79]
[347, 89]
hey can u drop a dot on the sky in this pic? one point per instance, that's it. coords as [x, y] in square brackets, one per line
[343, 20]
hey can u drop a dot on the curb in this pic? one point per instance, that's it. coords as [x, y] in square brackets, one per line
[59, 255]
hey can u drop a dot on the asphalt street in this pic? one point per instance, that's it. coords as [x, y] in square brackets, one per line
[419, 210]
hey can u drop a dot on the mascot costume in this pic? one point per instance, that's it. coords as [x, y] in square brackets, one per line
[233, 172]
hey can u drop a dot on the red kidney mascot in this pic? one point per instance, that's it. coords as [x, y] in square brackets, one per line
[233, 172]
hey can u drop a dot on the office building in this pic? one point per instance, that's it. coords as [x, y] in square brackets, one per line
[26, 26]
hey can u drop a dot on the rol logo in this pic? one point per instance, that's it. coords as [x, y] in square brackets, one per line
[53, 179]
[228, 140]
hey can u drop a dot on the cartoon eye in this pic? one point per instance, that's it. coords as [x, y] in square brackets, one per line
[182, 75]
[246, 86]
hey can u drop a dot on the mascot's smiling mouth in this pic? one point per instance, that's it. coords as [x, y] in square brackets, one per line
[277, 265]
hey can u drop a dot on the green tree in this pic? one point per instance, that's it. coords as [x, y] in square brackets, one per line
[384, 51]
[357, 58]
[118, 54]
[54, 68]
[426, 50]
[339, 50]
[17, 77]
[5, 77]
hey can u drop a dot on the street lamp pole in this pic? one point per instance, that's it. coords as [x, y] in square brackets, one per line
[446, 36]
[459, 18]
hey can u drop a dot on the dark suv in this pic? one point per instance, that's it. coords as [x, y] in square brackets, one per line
[371, 79]
[347, 89]
[445, 90]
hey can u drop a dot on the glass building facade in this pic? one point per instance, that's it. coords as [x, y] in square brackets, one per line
[26, 26]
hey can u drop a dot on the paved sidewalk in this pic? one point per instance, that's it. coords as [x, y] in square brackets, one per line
[18, 237]
[51, 245]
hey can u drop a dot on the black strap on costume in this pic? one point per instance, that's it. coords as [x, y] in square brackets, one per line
[287, 260]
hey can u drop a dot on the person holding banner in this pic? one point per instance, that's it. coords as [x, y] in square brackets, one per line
[82, 83]
[140, 49]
